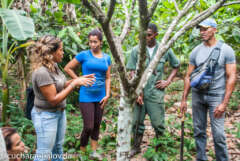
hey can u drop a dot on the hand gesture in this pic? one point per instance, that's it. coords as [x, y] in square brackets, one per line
[89, 76]
[86, 80]
[161, 84]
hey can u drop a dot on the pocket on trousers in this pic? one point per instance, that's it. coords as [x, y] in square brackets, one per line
[36, 120]
[49, 121]
[157, 96]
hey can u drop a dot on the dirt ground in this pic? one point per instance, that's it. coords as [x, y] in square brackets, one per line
[232, 141]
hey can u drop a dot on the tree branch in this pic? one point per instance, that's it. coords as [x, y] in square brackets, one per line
[95, 9]
[144, 20]
[114, 44]
[231, 3]
[100, 3]
[153, 7]
[110, 11]
[166, 37]
[176, 6]
[127, 21]
[145, 17]
[174, 23]
[165, 44]
[117, 54]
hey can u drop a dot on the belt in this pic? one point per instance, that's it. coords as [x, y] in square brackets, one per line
[211, 94]
[38, 109]
[61, 109]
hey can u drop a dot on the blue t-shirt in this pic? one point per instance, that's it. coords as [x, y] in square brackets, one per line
[98, 66]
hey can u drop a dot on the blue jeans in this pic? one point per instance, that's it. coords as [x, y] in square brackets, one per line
[201, 104]
[50, 128]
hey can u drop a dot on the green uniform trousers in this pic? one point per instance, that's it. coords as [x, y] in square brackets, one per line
[156, 112]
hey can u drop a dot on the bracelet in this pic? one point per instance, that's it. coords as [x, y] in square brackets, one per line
[72, 85]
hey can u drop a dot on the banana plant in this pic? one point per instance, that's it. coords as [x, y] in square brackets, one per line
[20, 27]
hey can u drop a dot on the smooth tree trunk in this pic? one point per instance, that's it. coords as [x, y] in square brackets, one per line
[125, 118]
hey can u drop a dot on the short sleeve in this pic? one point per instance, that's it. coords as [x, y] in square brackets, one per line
[132, 60]
[192, 57]
[43, 78]
[80, 57]
[229, 55]
[173, 60]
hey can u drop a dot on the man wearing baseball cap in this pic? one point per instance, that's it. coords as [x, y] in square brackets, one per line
[213, 100]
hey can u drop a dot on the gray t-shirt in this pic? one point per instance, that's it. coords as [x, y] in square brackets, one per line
[42, 77]
[227, 56]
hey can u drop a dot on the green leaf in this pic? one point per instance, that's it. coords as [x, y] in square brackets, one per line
[33, 9]
[20, 27]
[71, 1]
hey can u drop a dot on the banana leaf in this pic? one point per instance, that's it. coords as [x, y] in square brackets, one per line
[19, 26]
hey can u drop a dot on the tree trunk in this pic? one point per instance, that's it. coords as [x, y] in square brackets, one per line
[22, 79]
[43, 5]
[125, 117]
[4, 70]
[54, 6]
[22, 5]
[71, 13]
[5, 95]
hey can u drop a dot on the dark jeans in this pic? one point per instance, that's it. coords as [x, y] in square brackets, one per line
[201, 105]
[92, 117]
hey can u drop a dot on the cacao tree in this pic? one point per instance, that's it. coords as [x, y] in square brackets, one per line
[185, 18]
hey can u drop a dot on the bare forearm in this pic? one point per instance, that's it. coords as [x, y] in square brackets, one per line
[186, 88]
[59, 97]
[71, 73]
[68, 82]
[108, 87]
[229, 88]
[187, 82]
[172, 75]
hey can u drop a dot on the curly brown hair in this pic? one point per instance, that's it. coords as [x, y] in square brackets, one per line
[41, 52]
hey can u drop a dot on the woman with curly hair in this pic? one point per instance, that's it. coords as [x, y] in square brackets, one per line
[50, 88]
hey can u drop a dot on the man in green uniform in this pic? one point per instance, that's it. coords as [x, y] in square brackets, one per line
[151, 101]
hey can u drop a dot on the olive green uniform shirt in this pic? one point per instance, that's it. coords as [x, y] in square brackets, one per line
[150, 91]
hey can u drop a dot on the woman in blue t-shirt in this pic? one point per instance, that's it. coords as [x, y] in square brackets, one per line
[93, 98]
